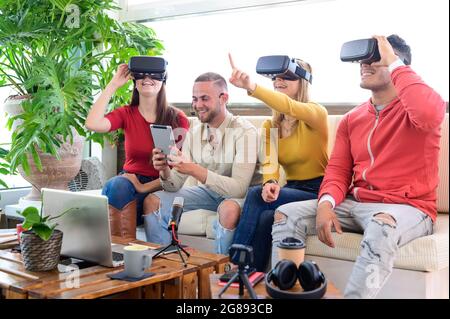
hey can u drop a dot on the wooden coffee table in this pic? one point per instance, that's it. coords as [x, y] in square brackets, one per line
[260, 290]
[171, 280]
[206, 264]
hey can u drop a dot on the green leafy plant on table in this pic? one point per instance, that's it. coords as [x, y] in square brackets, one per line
[41, 226]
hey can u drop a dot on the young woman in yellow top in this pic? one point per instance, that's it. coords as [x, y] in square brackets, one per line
[301, 132]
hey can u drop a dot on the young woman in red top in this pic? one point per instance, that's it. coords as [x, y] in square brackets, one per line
[148, 105]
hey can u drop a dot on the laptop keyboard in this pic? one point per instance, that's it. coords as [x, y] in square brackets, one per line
[117, 256]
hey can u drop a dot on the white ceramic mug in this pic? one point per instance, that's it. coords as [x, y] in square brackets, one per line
[136, 259]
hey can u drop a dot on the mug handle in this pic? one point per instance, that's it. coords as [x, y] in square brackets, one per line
[146, 261]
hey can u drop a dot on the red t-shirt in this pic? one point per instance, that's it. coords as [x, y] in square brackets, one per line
[138, 138]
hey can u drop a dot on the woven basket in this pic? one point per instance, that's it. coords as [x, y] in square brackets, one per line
[40, 255]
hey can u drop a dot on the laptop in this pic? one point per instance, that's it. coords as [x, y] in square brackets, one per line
[86, 230]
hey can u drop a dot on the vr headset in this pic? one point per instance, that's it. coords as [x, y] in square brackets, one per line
[361, 51]
[153, 67]
[273, 66]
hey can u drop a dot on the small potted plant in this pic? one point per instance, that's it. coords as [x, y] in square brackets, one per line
[40, 243]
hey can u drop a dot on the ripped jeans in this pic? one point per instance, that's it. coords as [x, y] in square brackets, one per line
[380, 243]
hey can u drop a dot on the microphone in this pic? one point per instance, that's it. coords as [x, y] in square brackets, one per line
[177, 210]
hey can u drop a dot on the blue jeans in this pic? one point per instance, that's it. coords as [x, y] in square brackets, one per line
[255, 225]
[195, 197]
[120, 191]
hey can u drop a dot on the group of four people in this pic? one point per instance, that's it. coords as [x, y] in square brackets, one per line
[380, 180]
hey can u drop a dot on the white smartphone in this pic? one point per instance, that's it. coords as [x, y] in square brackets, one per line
[162, 137]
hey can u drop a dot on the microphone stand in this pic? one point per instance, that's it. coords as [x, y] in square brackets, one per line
[175, 243]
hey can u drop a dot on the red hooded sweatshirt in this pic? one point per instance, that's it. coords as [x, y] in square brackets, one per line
[392, 155]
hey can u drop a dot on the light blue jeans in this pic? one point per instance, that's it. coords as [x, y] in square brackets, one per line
[195, 197]
[379, 245]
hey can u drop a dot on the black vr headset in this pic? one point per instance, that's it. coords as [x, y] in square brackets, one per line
[273, 66]
[360, 51]
[153, 67]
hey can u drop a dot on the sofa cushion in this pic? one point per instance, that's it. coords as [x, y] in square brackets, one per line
[427, 253]
[196, 222]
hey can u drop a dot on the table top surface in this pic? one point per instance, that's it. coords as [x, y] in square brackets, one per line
[260, 290]
[69, 282]
[93, 282]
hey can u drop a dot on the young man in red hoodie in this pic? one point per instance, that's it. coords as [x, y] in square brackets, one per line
[382, 176]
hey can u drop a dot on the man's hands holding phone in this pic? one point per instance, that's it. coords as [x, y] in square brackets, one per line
[180, 162]
[176, 159]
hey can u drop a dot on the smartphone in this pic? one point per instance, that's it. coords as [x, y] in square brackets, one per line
[162, 137]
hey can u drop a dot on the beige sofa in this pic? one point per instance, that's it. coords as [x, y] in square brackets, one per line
[421, 269]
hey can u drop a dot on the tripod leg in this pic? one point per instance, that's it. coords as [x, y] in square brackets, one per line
[181, 255]
[228, 284]
[161, 251]
[247, 284]
[187, 254]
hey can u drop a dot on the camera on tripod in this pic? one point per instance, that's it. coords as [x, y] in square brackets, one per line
[241, 255]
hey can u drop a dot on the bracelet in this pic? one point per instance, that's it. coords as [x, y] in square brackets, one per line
[274, 181]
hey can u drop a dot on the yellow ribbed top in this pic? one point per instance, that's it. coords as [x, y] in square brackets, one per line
[303, 154]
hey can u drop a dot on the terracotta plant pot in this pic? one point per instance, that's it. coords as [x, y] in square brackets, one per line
[56, 173]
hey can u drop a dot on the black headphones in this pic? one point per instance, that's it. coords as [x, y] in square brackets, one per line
[285, 274]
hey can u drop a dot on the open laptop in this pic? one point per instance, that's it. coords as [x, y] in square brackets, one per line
[86, 231]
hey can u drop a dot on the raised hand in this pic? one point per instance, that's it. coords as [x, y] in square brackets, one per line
[121, 77]
[387, 53]
[239, 78]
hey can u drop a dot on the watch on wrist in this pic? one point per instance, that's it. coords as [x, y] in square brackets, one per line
[273, 181]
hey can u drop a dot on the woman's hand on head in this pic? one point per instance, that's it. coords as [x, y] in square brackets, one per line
[239, 78]
[121, 77]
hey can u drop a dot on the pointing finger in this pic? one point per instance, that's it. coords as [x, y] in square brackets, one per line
[231, 61]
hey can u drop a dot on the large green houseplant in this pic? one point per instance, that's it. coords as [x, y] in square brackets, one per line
[56, 55]
[4, 167]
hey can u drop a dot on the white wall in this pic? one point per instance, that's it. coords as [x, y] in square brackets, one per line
[311, 31]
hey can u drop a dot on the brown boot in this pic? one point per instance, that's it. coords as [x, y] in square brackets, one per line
[114, 221]
[122, 222]
[128, 220]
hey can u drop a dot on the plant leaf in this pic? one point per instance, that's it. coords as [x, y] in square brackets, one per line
[31, 215]
[43, 231]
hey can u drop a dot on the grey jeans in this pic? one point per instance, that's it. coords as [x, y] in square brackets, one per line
[380, 241]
